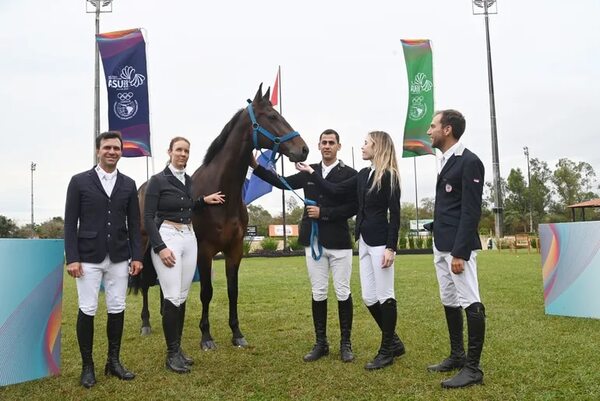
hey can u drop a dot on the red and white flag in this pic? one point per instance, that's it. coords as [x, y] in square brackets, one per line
[275, 93]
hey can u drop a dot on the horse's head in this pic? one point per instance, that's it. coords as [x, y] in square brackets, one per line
[272, 131]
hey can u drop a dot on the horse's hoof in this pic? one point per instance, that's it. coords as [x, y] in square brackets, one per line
[208, 345]
[239, 342]
[145, 331]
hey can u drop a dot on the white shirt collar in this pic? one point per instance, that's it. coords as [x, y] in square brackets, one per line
[180, 174]
[326, 169]
[174, 170]
[104, 175]
[456, 149]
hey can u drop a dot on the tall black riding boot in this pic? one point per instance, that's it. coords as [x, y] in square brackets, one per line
[85, 337]
[114, 332]
[321, 347]
[170, 322]
[345, 312]
[397, 345]
[188, 361]
[456, 360]
[385, 356]
[471, 373]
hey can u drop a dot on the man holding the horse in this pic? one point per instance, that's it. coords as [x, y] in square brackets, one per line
[331, 250]
[102, 236]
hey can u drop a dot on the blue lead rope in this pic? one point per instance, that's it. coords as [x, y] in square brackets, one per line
[314, 234]
[314, 226]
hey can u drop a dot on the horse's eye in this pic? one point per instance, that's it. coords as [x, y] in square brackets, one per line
[272, 117]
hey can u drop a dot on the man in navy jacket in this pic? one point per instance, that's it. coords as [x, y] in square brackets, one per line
[456, 218]
[102, 234]
[331, 213]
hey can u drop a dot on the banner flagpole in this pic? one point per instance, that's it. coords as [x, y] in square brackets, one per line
[416, 195]
[151, 141]
[282, 162]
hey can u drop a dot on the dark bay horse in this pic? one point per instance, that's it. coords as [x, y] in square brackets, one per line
[221, 228]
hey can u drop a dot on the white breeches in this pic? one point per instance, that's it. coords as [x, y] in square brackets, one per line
[376, 282]
[115, 277]
[339, 261]
[175, 281]
[456, 289]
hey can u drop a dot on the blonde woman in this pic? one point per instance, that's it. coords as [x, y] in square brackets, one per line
[378, 192]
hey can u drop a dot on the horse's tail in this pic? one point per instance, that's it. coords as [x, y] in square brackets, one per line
[147, 277]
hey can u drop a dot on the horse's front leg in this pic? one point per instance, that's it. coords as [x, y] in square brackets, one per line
[145, 315]
[232, 266]
[206, 292]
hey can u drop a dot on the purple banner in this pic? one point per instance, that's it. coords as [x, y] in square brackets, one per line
[124, 60]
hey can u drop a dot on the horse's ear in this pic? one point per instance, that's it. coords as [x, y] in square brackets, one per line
[258, 95]
[267, 95]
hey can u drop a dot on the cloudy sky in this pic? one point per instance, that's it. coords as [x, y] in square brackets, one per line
[342, 68]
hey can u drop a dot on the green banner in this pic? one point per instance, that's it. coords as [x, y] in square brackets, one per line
[419, 68]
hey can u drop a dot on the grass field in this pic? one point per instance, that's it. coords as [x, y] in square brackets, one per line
[527, 355]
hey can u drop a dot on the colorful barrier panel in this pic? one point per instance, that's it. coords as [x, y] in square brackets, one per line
[31, 283]
[571, 268]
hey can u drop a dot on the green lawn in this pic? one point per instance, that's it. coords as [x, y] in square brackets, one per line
[527, 356]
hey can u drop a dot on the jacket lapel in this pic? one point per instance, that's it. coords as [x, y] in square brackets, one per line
[94, 177]
[188, 185]
[447, 166]
[318, 169]
[118, 183]
[174, 180]
[363, 182]
[458, 152]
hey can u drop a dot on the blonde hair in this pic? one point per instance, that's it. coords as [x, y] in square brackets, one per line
[384, 159]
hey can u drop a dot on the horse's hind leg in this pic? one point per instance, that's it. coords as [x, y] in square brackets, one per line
[206, 292]
[145, 315]
[232, 266]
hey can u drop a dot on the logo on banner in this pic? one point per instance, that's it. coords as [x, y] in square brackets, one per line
[126, 106]
[418, 108]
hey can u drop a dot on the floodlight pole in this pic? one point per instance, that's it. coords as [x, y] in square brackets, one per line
[498, 209]
[96, 79]
[97, 4]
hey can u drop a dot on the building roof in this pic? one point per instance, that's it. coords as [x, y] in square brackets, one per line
[590, 203]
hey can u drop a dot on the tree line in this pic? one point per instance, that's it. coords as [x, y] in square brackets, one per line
[547, 196]
[52, 228]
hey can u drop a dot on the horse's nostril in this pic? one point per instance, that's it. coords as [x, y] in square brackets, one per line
[305, 150]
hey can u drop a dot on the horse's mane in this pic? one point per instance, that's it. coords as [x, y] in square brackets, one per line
[216, 145]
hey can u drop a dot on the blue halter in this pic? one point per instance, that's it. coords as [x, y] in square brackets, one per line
[258, 129]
